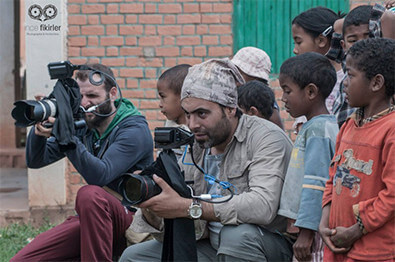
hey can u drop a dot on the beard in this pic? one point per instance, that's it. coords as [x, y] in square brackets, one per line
[216, 135]
[95, 121]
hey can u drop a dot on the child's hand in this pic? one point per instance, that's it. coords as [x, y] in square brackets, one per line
[302, 246]
[346, 236]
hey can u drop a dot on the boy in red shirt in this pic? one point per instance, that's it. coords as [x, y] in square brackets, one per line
[358, 221]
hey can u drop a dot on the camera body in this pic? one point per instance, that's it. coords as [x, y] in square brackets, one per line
[137, 188]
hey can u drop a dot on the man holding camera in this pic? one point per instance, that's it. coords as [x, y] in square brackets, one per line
[249, 152]
[117, 140]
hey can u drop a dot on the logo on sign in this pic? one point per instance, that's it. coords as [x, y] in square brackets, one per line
[36, 12]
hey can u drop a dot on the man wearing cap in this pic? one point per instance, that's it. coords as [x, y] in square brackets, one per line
[254, 64]
[249, 152]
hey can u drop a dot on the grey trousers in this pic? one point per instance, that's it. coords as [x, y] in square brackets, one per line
[245, 242]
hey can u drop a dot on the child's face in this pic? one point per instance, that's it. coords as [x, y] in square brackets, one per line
[303, 42]
[169, 103]
[354, 33]
[356, 85]
[294, 97]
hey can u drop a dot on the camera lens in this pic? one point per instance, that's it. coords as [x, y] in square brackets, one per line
[133, 189]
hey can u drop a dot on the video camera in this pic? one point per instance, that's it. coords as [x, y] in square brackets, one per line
[137, 188]
[29, 112]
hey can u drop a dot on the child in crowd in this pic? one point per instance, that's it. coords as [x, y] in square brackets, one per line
[355, 28]
[358, 220]
[306, 81]
[254, 64]
[312, 32]
[169, 89]
[256, 98]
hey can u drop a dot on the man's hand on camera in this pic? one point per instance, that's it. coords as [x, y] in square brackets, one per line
[43, 129]
[168, 204]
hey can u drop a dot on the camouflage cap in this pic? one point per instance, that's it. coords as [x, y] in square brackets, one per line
[214, 80]
[253, 61]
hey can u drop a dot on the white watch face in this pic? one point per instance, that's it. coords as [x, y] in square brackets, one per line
[195, 211]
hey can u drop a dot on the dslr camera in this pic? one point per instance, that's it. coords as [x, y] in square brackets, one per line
[29, 112]
[137, 188]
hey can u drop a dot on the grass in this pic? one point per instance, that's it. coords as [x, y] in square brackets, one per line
[15, 236]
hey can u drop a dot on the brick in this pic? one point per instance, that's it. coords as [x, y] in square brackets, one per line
[112, 30]
[132, 93]
[151, 115]
[93, 9]
[150, 30]
[93, 41]
[121, 83]
[150, 62]
[149, 41]
[169, 40]
[150, 19]
[200, 51]
[112, 51]
[131, 41]
[188, 30]
[210, 40]
[169, 8]
[131, 72]
[222, 8]
[111, 19]
[150, 8]
[226, 40]
[132, 83]
[134, 8]
[211, 19]
[188, 19]
[75, 179]
[111, 1]
[78, 61]
[112, 8]
[167, 51]
[77, 19]
[131, 51]
[90, 51]
[132, 61]
[93, 19]
[191, 8]
[77, 41]
[76, 1]
[93, 60]
[131, 19]
[220, 29]
[170, 62]
[74, 30]
[190, 61]
[188, 40]
[169, 19]
[226, 19]
[73, 51]
[149, 104]
[150, 73]
[92, 30]
[218, 51]
[206, 8]
[186, 51]
[151, 93]
[130, 29]
[73, 9]
[154, 124]
[118, 61]
[169, 30]
[201, 29]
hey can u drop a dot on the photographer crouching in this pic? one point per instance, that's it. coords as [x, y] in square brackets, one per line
[250, 153]
[116, 140]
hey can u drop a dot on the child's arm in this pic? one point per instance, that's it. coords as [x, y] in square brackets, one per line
[302, 246]
[327, 233]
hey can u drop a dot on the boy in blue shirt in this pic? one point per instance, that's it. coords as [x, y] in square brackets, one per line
[306, 81]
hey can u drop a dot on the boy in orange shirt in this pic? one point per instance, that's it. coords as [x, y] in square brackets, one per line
[358, 221]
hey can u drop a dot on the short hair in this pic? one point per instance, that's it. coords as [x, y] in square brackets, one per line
[316, 20]
[375, 56]
[175, 77]
[83, 75]
[256, 93]
[309, 68]
[360, 15]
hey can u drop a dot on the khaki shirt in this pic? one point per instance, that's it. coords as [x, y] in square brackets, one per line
[255, 162]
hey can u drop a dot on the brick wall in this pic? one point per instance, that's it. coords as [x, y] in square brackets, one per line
[141, 39]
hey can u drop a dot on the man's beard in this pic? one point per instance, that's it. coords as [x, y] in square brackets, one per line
[96, 121]
[217, 135]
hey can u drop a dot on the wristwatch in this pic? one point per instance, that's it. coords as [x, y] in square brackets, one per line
[195, 209]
